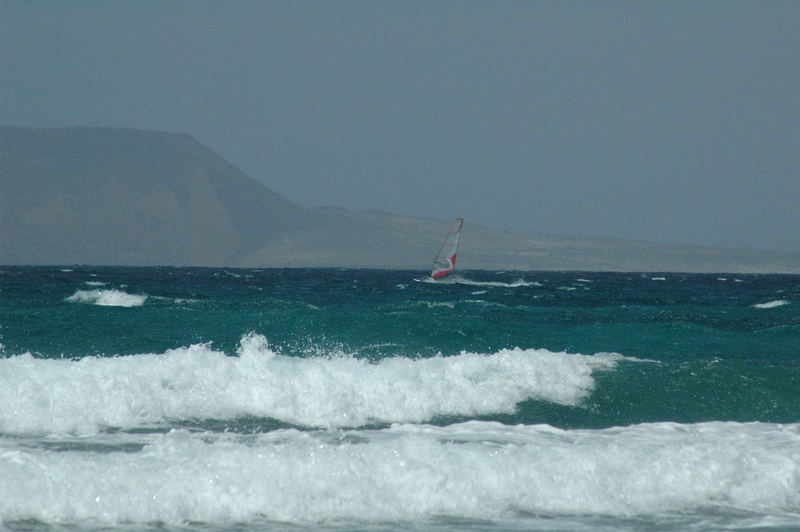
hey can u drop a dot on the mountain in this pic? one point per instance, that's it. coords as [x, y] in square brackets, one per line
[123, 196]
[132, 197]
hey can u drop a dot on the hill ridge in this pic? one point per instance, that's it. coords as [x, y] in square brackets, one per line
[127, 196]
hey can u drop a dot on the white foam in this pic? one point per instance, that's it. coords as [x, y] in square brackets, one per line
[108, 298]
[95, 283]
[84, 396]
[176, 300]
[474, 470]
[457, 279]
[436, 304]
[772, 304]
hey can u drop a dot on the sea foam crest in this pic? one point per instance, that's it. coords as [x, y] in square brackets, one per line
[107, 298]
[84, 396]
[477, 470]
[772, 304]
[457, 279]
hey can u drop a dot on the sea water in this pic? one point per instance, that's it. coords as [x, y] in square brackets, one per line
[252, 399]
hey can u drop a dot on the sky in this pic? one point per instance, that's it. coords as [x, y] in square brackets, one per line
[663, 121]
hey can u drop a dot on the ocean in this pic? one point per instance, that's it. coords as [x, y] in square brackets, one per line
[178, 399]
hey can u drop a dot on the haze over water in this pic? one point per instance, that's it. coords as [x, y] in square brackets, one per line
[222, 399]
[671, 122]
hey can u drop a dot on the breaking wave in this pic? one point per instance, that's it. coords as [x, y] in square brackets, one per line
[772, 304]
[409, 473]
[198, 382]
[107, 298]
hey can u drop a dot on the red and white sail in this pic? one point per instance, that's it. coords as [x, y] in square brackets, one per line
[445, 261]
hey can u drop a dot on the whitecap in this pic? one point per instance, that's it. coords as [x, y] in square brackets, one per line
[412, 474]
[457, 279]
[438, 304]
[84, 396]
[772, 304]
[108, 298]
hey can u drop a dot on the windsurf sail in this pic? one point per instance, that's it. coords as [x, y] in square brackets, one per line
[445, 261]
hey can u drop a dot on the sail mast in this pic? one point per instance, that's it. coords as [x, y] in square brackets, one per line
[445, 261]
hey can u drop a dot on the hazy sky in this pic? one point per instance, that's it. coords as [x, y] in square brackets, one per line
[666, 121]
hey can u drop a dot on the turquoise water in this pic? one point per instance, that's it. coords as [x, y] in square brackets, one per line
[228, 399]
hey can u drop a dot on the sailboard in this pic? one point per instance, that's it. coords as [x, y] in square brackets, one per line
[445, 261]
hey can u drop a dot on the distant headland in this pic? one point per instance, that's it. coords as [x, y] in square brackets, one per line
[114, 196]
